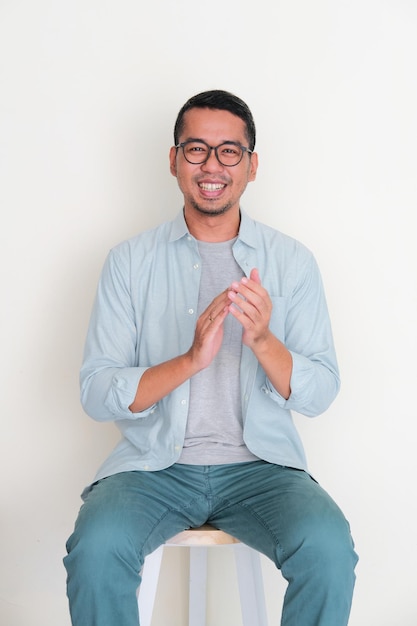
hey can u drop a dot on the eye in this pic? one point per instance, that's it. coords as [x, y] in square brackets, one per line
[196, 148]
[230, 150]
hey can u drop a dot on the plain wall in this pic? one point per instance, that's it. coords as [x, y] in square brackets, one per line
[89, 91]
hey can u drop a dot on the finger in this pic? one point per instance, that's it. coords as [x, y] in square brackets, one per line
[248, 323]
[251, 284]
[216, 306]
[219, 317]
[254, 275]
[251, 298]
[248, 291]
[241, 308]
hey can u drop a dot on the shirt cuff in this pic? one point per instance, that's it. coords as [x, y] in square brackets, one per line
[123, 392]
[300, 383]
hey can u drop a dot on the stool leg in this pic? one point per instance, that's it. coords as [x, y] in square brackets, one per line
[252, 598]
[147, 590]
[198, 586]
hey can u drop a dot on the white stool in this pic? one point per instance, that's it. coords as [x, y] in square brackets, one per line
[248, 568]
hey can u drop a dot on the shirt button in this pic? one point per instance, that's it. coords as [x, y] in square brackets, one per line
[183, 402]
[190, 311]
[196, 266]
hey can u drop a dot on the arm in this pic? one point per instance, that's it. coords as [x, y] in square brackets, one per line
[117, 383]
[160, 380]
[254, 312]
[301, 375]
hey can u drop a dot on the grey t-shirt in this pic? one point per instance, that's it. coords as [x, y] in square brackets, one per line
[214, 433]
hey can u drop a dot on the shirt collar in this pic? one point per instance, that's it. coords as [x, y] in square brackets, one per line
[247, 229]
[179, 227]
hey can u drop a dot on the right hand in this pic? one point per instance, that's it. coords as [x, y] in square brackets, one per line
[208, 335]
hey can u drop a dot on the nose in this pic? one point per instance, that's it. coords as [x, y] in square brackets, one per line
[212, 164]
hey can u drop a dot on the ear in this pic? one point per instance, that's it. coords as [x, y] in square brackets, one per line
[173, 161]
[253, 166]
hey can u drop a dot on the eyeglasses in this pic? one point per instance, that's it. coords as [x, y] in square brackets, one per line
[228, 153]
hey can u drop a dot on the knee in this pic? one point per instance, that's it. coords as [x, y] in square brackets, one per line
[95, 546]
[328, 545]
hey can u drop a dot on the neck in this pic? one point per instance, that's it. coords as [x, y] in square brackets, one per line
[213, 228]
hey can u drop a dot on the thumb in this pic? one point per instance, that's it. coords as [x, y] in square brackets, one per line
[254, 275]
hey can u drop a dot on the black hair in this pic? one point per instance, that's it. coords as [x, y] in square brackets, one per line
[224, 101]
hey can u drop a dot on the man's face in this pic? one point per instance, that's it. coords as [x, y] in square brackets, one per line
[211, 188]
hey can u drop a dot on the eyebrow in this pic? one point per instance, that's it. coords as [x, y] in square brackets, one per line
[233, 141]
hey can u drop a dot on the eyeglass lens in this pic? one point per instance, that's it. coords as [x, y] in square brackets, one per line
[197, 152]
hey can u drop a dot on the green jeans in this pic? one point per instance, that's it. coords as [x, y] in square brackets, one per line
[281, 512]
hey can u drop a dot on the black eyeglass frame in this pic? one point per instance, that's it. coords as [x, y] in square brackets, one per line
[215, 148]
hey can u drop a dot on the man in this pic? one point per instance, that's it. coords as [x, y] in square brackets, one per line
[206, 332]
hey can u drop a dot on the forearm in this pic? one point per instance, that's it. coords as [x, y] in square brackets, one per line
[276, 362]
[160, 380]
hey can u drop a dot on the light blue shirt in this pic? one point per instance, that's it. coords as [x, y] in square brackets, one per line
[145, 313]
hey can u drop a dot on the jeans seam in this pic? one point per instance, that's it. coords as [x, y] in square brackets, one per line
[180, 510]
[247, 508]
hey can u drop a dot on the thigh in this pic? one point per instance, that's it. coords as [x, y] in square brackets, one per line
[277, 509]
[143, 509]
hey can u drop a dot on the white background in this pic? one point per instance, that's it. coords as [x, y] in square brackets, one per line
[89, 91]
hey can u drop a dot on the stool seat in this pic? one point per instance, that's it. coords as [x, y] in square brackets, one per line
[199, 540]
[205, 535]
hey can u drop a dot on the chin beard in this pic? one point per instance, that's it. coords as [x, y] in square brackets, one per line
[207, 211]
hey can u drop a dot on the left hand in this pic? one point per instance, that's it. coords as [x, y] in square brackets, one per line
[251, 306]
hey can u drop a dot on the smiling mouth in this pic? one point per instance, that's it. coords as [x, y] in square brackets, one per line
[212, 186]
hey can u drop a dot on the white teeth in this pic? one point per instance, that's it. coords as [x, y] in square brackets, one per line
[211, 186]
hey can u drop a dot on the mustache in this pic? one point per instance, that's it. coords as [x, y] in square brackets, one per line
[225, 180]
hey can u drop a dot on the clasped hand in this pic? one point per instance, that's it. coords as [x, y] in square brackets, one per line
[249, 303]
